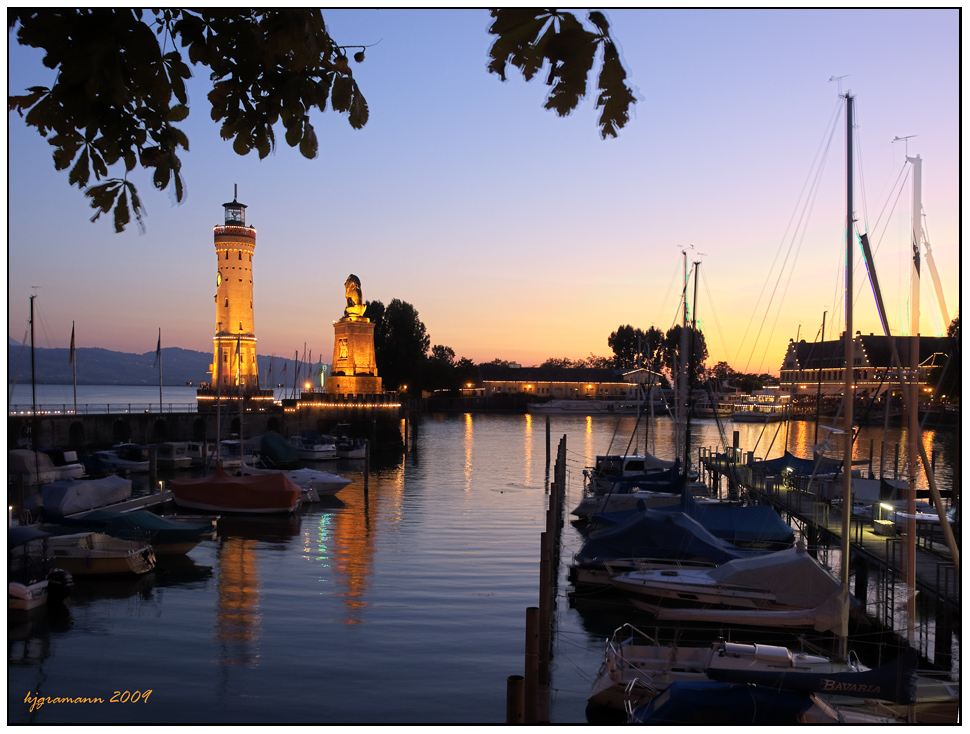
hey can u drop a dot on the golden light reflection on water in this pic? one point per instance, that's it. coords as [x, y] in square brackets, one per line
[527, 445]
[238, 622]
[468, 444]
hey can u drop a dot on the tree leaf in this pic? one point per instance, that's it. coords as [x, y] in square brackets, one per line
[342, 92]
[308, 144]
[122, 213]
[81, 171]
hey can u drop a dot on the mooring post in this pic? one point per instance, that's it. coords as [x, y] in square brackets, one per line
[545, 557]
[531, 663]
[514, 700]
[548, 449]
[366, 464]
[152, 467]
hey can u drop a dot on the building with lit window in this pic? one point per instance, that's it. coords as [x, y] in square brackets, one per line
[810, 369]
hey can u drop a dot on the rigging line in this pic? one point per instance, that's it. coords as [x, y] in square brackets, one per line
[803, 228]
[900, 181]
[44, 327]
[857, 151]
[717, 323]
[16, 372]
[818, 153]
[667, 294]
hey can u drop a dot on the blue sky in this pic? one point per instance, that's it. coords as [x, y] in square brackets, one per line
[518, 234]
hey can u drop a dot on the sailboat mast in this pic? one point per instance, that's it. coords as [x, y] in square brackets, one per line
[913, 388]
[848, 388]
[818, 395]
[682, 372]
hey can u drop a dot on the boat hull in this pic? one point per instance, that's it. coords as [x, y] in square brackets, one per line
[250, 494]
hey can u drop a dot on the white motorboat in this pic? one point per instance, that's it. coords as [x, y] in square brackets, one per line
[65, 463]
[87, 554]
[786, 588]
[609, 469]
[351, 448]
[32, 580]
[34, 468]
[173, 455]
[319, 449]
[636, 668]
[230, 453]
[125, 456]
[314, 484]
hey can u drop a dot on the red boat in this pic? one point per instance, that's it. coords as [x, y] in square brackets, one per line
[256, 493]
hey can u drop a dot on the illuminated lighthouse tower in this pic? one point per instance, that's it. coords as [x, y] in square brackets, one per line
[234, 355]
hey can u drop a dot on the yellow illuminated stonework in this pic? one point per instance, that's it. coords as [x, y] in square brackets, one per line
[234, 362]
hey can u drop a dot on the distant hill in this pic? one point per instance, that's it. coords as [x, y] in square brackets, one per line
[97, 366]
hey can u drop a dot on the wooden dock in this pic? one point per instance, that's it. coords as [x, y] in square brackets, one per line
[876, 554]
[135, 503]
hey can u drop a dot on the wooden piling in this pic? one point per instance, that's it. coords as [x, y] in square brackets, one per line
[548, 450]
[366, 465]
[545, 616]
[531, 664]
[514, 700]
[152, 468]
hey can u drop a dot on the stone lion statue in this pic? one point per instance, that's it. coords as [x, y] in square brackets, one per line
[355, 298]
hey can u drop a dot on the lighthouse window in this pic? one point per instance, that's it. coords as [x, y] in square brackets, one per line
[227, 254]
[240, 326]
[250, 304]
[250, 258]
[240, 254]
[227, 303]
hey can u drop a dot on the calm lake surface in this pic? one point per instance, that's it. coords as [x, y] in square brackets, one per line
[402, 602]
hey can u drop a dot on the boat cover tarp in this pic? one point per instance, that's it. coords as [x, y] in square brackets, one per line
[799, 466]
[139, 525]
[30, 465]
[278, 450]
[648, 533]
[66, 497]
[21, 534]
[894, 682]
[273, 491]
[666, 480]
[709, 702]
[794, 577]
[751, 524]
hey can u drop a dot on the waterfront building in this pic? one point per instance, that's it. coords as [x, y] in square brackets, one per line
[558, 383]
[808, 369]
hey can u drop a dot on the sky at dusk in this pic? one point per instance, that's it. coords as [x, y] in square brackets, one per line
[520, 235]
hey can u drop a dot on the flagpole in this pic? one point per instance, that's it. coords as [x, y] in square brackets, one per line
[158, 353]
[74, 362]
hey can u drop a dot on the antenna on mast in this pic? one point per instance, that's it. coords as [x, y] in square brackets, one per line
[235, 192]
[839, 80]
[897, 138]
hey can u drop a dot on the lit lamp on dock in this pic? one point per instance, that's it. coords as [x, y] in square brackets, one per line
[884, 527]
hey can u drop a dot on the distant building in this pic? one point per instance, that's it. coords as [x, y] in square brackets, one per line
[558, 382]
[806, 366]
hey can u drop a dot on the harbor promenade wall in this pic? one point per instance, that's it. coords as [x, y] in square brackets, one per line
[89, 432]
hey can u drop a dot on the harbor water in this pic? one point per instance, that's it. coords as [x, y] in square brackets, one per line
[400, 601]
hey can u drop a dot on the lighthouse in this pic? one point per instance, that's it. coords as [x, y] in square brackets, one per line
[234, 345]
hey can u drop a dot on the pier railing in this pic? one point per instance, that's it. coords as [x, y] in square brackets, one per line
[103, 408]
